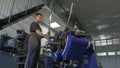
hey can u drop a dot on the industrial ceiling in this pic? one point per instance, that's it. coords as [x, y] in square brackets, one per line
[100, 18]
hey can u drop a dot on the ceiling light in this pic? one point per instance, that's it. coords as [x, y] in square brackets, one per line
[102, 26]
[54, 25]
[99, 27]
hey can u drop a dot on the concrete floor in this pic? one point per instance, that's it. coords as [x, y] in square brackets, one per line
[7, 61]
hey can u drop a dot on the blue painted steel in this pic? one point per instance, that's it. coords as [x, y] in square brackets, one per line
[75, 48]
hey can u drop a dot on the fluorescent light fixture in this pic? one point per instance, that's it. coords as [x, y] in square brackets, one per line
[99, 27]
[54, 25]
[111, 53]
[102, 26]
[102, 54]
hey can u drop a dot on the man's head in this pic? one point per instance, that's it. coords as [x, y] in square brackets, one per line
[38, 17]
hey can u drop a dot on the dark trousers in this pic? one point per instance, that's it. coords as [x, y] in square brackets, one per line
[33, 52]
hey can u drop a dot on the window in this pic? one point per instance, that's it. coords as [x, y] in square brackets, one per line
[93, 42]
[103, 42]
[109, 42]
[102, 54]
[111, 53]
[116, 41]
[97, 43]
[118, 53]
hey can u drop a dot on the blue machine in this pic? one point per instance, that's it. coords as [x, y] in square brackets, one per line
[76, 48]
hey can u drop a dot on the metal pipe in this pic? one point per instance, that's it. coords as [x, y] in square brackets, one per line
[37, 4]
[11, 11]
[28, 2]
[6, 8]
[2, 8]
[21, 5]
[70, 14]
[50, 18]
[62, 7]
[24, 6]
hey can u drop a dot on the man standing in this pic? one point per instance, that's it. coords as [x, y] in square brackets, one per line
[34, 43]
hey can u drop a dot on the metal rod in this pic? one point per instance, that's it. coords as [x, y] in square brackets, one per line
[28, 2]
[21, 8]
[11, 11]
[6, 8]
[50, 22]
[50, 18]
[70, 14]
[62, 7]
[2, 8]
[37, 4]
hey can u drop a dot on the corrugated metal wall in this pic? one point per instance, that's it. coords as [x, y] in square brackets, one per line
[11, 7]
[24, 23]
[108, 52]
[109, 61]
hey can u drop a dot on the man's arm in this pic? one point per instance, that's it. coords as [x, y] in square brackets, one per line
[39, 32]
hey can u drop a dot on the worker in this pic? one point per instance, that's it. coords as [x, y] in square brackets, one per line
[34, 42]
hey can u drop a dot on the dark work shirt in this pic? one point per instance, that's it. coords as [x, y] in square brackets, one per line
[34, 26]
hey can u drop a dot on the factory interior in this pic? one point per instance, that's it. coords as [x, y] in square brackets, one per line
[59, 34]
